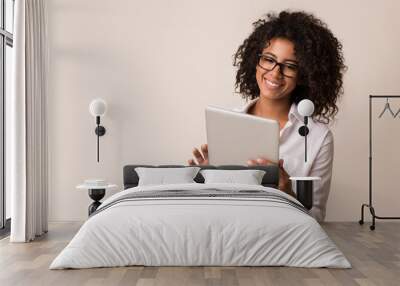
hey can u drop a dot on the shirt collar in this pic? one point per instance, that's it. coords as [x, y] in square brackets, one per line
[292, 116]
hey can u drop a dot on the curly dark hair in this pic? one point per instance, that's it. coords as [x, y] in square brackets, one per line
[319, 55]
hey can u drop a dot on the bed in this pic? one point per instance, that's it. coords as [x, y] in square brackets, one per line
[201, 224]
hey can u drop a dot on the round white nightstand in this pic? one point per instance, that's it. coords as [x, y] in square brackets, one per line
[96, 193]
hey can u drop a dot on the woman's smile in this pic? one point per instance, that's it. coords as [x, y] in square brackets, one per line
[271, 84]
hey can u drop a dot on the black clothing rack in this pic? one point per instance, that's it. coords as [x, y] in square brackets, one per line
[369, 205]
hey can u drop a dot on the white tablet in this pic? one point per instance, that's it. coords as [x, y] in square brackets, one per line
[233, 137]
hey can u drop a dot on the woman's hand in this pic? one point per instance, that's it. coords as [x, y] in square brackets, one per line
[285, 185]
[200, 156]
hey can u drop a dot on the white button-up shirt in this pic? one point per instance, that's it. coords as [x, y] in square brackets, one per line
[319, 155]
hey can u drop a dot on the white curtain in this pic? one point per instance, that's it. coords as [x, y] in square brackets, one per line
[28, 123]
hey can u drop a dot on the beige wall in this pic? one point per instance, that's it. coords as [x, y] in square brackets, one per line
[159, 63]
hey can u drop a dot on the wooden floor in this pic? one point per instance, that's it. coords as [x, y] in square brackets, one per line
[375, 256]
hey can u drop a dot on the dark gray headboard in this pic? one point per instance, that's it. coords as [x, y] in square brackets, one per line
[271, 177]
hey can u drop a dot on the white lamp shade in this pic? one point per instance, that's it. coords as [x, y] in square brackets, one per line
[98, 107]
[305, 107]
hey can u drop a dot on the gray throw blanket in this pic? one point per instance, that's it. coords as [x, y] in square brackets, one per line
[205, 194]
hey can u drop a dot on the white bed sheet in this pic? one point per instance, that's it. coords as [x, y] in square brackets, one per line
[200, 231]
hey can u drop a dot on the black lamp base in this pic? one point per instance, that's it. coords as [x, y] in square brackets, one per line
[100, 130]
[303, 130]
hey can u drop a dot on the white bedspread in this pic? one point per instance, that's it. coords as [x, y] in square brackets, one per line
[200, 231]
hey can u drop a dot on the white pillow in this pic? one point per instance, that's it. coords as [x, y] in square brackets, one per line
[249, 177]
[162, 176]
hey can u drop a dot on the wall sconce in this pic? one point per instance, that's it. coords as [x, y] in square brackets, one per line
[305, 109]
[98, 108]
[304, 185]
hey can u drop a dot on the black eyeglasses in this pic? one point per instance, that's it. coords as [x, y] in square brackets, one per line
[268, 63]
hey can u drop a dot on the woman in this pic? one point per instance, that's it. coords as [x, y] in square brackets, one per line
[287, 58]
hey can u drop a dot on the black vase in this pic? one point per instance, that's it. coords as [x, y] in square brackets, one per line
[96, 195]
[304, 189]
